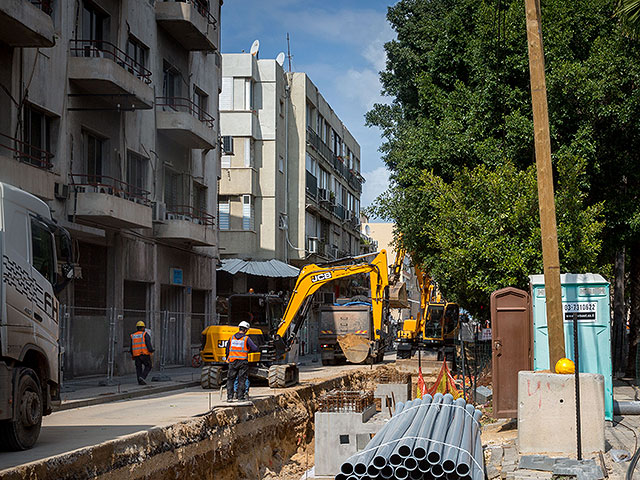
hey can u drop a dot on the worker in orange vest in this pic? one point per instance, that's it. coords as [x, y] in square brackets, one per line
[238, 349]
[141, 352]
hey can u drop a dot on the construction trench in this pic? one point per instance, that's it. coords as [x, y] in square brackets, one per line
[272, 438]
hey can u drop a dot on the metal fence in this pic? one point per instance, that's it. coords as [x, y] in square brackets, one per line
[473, 358]
[96, 340]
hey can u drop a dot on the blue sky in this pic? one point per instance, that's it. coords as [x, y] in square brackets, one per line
[339, 44]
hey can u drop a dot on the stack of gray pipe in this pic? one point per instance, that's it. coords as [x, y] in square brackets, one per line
[428, 438]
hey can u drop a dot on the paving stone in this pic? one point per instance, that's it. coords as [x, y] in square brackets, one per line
[497, 454]
[492, 472]
[537, 462]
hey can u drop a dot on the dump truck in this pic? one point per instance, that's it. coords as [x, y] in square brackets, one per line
[274, 360]
[36, 266]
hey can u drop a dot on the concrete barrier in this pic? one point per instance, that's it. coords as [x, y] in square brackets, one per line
[547, 415]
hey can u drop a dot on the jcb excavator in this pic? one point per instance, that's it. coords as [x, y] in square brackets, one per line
[276, 339]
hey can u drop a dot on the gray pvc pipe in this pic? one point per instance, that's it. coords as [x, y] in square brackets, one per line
[372, 471]
[401, 473]
[386, 472]
[347, 467]
[436, 471]
[478, 455]
[424, 466]
[416, 475]
[434, 452]
[451, 476]
[410, 464]
[341, 476]
[422, 444]
[400, 425]
[626, 408]
[466, 444]
[454, 435]
[405, 446]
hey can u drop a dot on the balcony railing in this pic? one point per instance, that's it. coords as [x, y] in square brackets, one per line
[189, 214]
[339, 211]
[312, 184]
[181, 104]
[334, 160]
[110, 186]
[44, 5]
[203, 9]
[27, 153]
[102, 49]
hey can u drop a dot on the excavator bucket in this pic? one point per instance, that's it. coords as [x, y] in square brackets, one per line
[354, 347]
[398, 296]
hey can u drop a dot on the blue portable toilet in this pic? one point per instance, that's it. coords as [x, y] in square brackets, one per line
[586, 294]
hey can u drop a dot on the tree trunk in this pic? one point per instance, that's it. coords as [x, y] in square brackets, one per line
[619, 317]
[634, 306]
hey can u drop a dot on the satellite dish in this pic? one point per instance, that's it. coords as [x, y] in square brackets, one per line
[280, 58]
[255, 46]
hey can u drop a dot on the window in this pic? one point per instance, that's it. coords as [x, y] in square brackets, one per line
[201, 100]
[137, 172]
[223, 213]
[42, 252]
[93, 21]
[281, 108]
[311, 165]
[94, 149]
[247, 213]
[324, 179]
[319, 122]
[138, 52]
[199, 198]
[226, 96]
[248, 94]
[310, 114]
[225, 161]
[280, 163]
[36, 133]
[171, 86]
[248, 152]
[174, 188]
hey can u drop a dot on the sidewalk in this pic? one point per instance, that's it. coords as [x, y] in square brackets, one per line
[85, 391]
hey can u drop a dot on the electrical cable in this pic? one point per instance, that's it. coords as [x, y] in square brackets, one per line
[632, 465]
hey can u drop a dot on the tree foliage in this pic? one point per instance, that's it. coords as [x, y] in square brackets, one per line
[459, 139]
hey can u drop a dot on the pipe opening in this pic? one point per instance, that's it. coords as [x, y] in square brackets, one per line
[346, 468]
[463, 469]
[387, 472]
[401, 473]
[449, 466]
[395, 459]
[410, 463]
[419, 453]
[379, 461]
[360, 469]
[424, 466]
[433, 458]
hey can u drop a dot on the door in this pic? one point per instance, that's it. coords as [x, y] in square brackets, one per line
[511, 352]
[173, 325]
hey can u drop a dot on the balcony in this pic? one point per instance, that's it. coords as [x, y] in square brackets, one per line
[241, 123]
[110, 202]
[190, 22]
[108, 76]
[238, 181]
[26, 23]
[339, 211]
[185, 122]
[235, 242]
[27, 167]
[312, 185]
[187, 225]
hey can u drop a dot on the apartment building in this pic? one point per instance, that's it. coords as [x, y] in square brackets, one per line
[109, 112]
[290, 180]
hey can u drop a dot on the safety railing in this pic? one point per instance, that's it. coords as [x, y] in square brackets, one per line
[110, 186]
[103, 49]
[26, 153]
[44, 5]
[181, 104]
[190, 214]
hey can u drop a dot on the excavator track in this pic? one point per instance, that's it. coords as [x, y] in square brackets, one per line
[281, 376]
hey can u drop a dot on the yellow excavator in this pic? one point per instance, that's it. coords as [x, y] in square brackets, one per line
[275, 338]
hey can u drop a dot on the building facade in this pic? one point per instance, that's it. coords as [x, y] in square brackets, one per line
[108, 112]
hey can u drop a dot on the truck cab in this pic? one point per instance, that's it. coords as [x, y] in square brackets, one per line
[36, 265]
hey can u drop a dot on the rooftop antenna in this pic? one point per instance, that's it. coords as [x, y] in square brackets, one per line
[255, 46]
[280, 58]
[289, 52]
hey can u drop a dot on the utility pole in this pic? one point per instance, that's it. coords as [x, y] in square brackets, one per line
[550, 256]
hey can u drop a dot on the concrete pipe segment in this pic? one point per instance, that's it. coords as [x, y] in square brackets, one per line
[426, 438]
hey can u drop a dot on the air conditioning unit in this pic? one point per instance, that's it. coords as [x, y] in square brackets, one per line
[227, 145]
[312, 244]
[323, 195]
[159, 212]
[173, 216]
[60, 191]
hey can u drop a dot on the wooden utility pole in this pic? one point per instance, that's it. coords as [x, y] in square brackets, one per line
[550, 257]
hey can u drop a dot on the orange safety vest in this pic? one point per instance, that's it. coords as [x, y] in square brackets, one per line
[238, 348]
[138, 345]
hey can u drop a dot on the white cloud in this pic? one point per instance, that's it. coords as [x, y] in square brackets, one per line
[362, 86]
[377, 181]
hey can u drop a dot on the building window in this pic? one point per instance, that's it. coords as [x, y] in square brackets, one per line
[311, 165]
[223, 213]
[225, 161]
[248, 94]
[247, 213]
[171, 86]
[94, 149]
[93, 20]
[201, 100]
[199, 198]
[36, 133]
[174, 188]
[138, 53]
[248, 152]
[137, 172]
[281, 108]
[280, 163]
[226, 96]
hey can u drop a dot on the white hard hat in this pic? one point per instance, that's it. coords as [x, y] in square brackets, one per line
[244, 325]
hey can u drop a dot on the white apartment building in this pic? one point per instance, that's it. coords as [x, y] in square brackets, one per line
[109, 112]
[290, 178]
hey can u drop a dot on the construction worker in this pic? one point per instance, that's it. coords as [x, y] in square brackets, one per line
[238, 349]
[141, 352]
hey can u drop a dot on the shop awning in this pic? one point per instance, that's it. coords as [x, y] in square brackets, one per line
[269, 268]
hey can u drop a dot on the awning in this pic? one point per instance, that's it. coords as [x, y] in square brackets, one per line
[269, 268]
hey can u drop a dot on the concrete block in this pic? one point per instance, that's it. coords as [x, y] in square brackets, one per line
[546, 413]
[401, 393]
[483, 394]
[340, 435]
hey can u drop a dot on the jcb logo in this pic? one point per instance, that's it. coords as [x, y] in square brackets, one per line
[222, 343]
[321, 276]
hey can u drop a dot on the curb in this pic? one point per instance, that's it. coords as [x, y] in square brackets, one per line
[123, 396]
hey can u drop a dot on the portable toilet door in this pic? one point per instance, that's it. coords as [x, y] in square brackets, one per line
[587, 296]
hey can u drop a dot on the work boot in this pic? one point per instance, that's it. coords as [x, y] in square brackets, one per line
[230, 400]
[141, 381]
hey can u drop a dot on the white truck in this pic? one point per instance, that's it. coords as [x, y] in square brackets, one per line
[36, 265]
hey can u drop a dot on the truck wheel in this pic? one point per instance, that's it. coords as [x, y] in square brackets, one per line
[328, 361]
[22, 433]
[211, 376]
